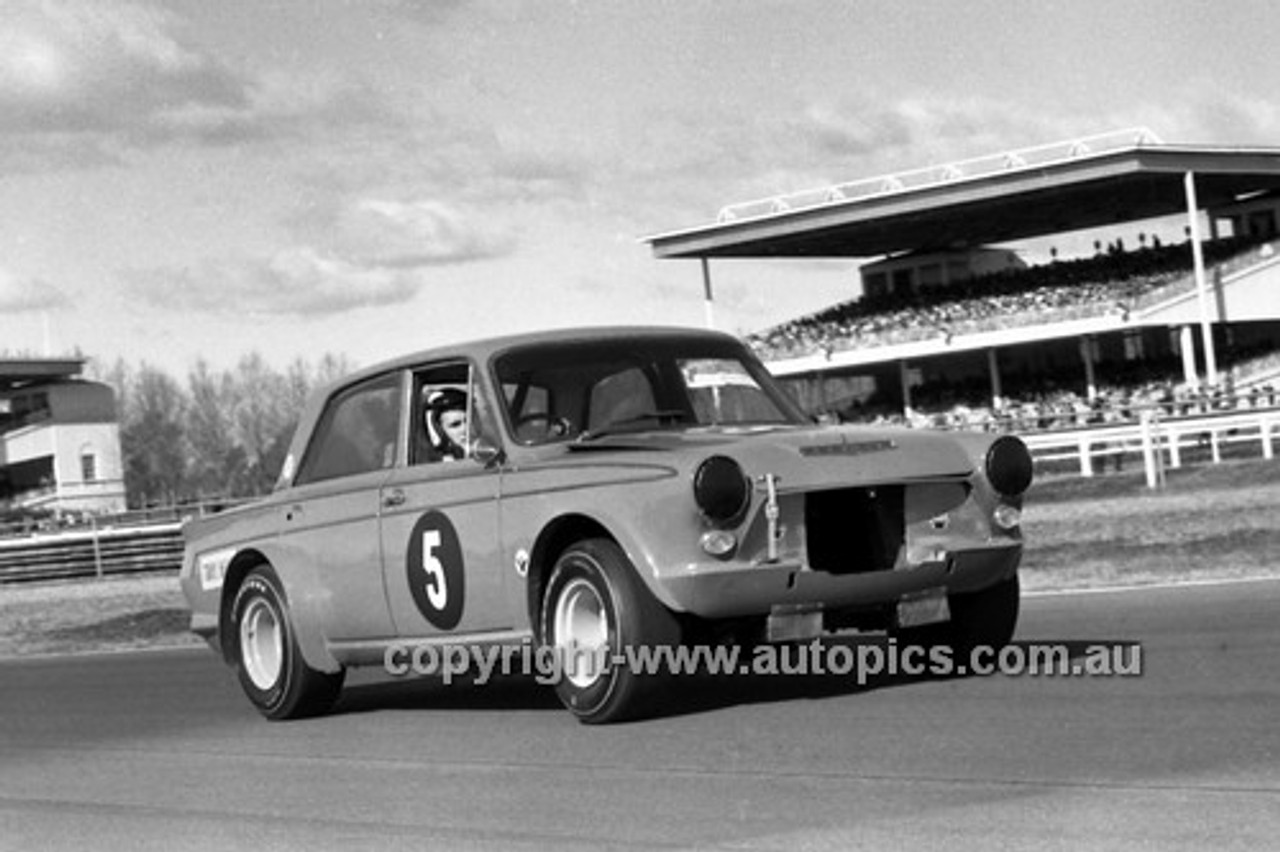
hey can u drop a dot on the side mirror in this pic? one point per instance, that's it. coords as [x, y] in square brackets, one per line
[486, 452]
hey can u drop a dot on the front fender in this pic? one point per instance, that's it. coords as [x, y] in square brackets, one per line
[308, 605]
[657, 532]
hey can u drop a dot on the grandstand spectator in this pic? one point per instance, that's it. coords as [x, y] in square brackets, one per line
[1109, 282]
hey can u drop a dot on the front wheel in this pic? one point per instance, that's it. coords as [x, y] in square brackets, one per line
[594, 610]
[987, 617]
[268, 663]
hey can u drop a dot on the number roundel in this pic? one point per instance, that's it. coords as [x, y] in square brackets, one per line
[435, 570]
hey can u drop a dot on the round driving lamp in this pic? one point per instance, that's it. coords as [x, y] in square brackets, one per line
[721, 490]
[1008, 466]
[1007, 517]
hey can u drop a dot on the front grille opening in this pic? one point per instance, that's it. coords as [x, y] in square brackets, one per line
[854, 530]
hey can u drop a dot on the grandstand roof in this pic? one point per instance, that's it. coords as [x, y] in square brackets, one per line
[1104, 180]
[25, 371]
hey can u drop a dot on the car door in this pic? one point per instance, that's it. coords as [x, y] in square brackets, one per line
[440, 533]
[329, 528]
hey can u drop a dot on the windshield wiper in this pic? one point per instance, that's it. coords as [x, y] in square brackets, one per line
[630, 424]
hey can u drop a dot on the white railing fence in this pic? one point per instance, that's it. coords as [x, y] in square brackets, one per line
[1161, 440]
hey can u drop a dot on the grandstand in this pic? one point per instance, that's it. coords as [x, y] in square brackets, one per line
[1178, 301]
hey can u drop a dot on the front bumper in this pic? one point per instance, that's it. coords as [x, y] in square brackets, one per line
[735, 589]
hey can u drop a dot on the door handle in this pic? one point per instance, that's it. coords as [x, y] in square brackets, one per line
[394, 497]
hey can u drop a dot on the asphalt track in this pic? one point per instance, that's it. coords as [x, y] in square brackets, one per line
[160, 751]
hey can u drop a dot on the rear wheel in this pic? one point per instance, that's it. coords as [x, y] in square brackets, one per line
[269, 665]
[594, 608]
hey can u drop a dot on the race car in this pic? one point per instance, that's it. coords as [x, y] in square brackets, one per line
[611, 489]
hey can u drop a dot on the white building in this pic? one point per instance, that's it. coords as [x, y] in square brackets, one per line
[59, 440]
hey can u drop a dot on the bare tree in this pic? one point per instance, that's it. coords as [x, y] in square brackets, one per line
[152, 438]
[218, 464]
[224, 435]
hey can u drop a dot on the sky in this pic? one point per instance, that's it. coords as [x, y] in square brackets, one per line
[193, 180]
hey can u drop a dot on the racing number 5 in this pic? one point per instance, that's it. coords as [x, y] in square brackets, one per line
[435, 572]
[437, 585]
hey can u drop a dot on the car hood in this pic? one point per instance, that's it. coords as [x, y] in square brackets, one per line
[804, 456]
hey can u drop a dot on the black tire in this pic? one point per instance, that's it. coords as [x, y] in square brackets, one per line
[268, 663]
[593, 597]
[983, 618]
[987, 617]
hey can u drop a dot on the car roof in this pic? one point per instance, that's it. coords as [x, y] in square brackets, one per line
[482, 349]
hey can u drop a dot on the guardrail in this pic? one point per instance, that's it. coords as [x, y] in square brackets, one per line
[91, 552]
[1160, 440]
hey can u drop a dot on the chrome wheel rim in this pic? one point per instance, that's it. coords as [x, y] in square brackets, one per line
[581, 633]
[261, 644]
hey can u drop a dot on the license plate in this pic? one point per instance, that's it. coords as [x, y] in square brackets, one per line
[790, 625]
[924, 608]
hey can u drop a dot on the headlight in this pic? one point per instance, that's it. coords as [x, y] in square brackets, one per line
[1009, 466]
[721, 490]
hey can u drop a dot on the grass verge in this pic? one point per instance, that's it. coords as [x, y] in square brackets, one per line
[114, 613]
[1210, 522]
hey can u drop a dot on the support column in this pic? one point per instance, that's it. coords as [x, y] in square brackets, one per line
[1202, 283]
[907, 410]
[706, 293]
[1187, 343]
[993, 370]
[1090, 376]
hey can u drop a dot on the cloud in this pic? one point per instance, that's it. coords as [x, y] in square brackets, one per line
[699, 163]
[300, 281]
[406, 235]
[274, 106]
[71, 67]
[431, 12]
[918, 131]
[1212, 116]
[28, 295]
[120, 75]
[375, 256]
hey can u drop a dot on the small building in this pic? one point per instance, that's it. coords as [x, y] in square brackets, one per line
[59, 440]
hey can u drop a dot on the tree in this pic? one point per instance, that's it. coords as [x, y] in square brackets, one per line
[260, 413]
[219, 467]
[152, 439]
[225, 435]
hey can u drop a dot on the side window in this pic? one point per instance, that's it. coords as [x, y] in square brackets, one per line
[450, 414]
[356, 433]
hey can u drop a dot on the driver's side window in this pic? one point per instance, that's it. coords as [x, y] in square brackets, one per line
[450, 414]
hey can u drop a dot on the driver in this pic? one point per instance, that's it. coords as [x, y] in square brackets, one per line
[448, 433]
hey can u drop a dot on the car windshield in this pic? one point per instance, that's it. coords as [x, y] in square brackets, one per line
[584, 391]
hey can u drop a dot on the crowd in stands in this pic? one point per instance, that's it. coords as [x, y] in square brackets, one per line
[1114, 280]
[968, 405]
